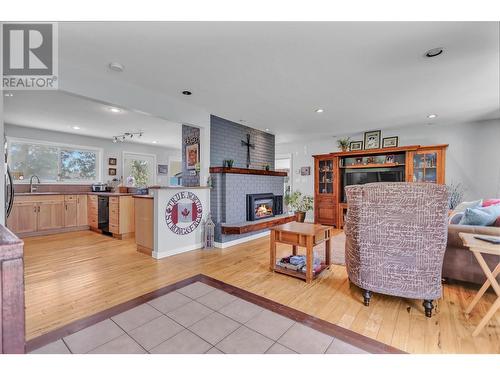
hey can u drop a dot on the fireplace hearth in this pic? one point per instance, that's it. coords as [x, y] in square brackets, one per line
[262, 206]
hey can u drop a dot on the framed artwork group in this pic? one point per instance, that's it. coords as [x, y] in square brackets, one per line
[372, 140]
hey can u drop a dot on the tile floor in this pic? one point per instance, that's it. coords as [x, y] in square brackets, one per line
[198, 319]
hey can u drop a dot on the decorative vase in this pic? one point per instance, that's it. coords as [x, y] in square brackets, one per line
[300, 216]
[345, 148]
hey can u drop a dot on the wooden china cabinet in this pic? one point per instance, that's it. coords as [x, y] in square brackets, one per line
[325, 189]
[427, 164]
[338, 169]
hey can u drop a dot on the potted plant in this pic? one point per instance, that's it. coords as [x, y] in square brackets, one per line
[229, 163]
[300, 204]
[267, 167]
[343, 143]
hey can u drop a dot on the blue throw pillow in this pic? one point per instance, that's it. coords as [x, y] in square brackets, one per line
[482, 216]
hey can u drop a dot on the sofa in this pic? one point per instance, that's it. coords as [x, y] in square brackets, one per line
[481, 217]
[459, 262]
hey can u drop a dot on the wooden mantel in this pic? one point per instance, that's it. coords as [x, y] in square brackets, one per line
[247, 171]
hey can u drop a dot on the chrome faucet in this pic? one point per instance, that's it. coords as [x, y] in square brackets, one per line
[33, 189]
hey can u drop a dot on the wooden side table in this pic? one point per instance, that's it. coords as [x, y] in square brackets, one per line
[300, 234]
[477, 247]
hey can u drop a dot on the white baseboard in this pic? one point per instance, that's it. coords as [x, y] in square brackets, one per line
[223, 245]
[163, 254]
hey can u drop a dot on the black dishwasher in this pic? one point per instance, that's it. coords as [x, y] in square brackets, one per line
[103, 213]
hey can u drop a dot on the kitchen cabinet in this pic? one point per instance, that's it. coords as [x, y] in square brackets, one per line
[23, 217]
[121, 216]
[82, 212]
[41, 214]
[92, 211]
[51, 214]
[70, 213]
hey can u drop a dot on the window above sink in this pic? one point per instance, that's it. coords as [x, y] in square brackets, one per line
[53, 162]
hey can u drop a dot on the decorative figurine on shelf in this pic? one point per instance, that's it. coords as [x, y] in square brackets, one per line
[208, 233]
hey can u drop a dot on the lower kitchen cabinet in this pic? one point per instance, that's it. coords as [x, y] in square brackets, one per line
[23, 217]
[51, 215]
[39, 214]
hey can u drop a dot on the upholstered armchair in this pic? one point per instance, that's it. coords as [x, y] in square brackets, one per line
[396, 238]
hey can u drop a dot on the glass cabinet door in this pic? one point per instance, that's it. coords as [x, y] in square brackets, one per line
[425, 167]
[325, 180]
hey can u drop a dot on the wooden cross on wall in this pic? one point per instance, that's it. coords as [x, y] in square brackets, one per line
[248, 146]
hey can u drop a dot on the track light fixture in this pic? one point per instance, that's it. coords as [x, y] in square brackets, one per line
[124, 136]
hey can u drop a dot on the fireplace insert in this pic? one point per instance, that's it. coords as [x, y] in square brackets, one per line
[260, 206]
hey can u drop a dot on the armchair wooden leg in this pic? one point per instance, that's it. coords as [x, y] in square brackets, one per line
[367, 295]
[428, 306]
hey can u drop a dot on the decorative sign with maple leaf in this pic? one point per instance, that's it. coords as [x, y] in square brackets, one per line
[183, 213]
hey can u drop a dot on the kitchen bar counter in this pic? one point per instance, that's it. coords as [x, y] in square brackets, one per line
[170, 221]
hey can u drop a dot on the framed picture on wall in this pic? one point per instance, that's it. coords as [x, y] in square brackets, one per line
[372, 140]
[192, 156]
[112, 171]
[305, 171]
[112, 161]
[356, 145]
[162, 169]
[390, 142]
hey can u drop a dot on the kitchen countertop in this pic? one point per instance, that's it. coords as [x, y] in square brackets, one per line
[74, 193]
[178, 187]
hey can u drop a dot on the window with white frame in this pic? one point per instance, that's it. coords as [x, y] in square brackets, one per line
[139, 170]
[53, 162]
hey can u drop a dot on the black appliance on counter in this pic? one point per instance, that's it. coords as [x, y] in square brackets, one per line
[103, 213]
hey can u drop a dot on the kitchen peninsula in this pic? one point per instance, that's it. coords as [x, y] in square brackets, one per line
[170, 220]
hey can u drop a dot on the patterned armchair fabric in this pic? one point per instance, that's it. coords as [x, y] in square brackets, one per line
[396, 238]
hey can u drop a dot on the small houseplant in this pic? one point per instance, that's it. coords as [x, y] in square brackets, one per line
[300, 204]
[343, 143]
[456, 193]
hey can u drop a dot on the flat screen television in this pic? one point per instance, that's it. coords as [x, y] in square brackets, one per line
[366, 175]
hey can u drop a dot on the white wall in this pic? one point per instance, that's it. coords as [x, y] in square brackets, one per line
[110, 149]
[472, 158]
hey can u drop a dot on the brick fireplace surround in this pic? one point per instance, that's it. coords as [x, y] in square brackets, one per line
[229, 196]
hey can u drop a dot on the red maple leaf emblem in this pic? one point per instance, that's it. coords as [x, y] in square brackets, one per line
[185, 212]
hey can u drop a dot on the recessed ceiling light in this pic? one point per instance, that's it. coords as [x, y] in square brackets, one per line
[186, 92]
[9, 94]
[115, 110]
[432, 116]
[76, 127]
[319, 110]
[155, 141]
[267, 129]
[116, 67]
[434, 52]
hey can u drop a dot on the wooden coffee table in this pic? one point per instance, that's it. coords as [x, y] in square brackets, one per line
[305, 235]
[477, 247]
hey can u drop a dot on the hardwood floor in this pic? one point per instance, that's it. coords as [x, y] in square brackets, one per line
[73, 275]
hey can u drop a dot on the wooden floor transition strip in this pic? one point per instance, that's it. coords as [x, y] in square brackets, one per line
[353, 338]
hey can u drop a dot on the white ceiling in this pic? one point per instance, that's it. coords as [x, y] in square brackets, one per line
[60, 111]
[366, 75]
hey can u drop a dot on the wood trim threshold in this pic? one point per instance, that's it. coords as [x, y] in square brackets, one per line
[255, 226]
[247, 171]
[351, 337]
